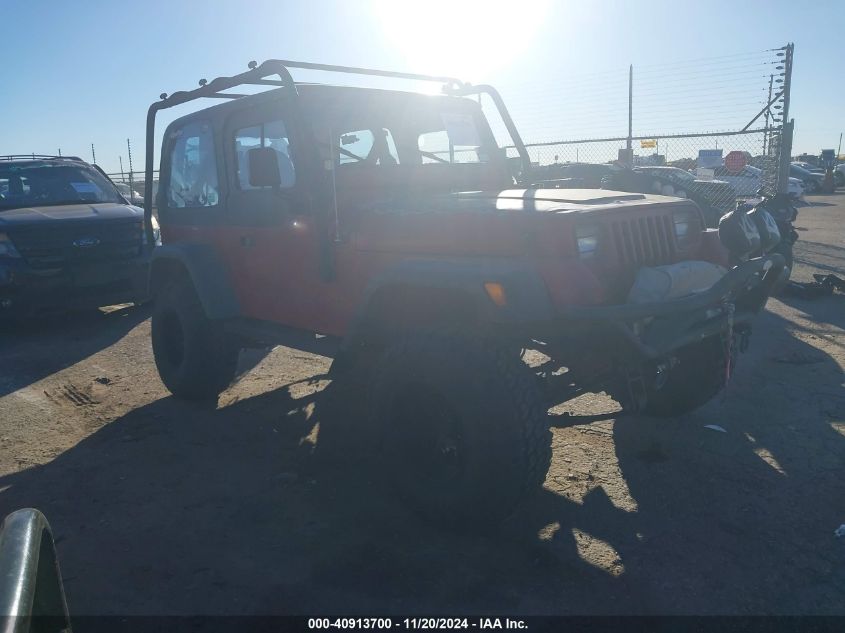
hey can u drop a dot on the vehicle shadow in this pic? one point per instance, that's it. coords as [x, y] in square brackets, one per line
[28, 347]
[177, 508]
[829, 309]
[738, 518]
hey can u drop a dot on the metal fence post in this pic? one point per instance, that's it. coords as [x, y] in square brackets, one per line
[129, 150]
[788, 125]
[785, 155]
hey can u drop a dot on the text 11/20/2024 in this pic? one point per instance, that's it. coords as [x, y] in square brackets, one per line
[421, 623]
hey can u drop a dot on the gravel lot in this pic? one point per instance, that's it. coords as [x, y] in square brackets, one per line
[163, 507]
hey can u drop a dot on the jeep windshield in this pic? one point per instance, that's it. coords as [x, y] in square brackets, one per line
[389, 139]
[44, 184]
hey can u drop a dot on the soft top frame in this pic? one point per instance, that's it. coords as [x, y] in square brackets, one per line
[259, 75]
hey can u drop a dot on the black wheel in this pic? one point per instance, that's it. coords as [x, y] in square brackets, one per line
[839, 178]
[464, 435]
[811, 186]
[696, 377]
[195, 359]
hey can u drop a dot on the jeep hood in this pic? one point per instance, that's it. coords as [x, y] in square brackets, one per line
[545, 200]
[12, 218]
[499, 223]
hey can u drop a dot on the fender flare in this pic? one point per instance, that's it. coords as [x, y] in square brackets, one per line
[528, 298]
[206, 272]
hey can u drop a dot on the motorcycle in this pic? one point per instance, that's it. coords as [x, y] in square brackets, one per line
[760, 226]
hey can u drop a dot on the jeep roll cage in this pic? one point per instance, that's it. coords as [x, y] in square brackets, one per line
[258, 75]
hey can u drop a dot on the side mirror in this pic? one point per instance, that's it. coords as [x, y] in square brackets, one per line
[516, 168]
[263, 165]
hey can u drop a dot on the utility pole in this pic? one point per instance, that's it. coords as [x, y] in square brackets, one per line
[840, 142]
[120, 158]
[93, 155]
[839, 150]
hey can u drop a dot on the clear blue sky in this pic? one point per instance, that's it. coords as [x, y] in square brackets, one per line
[85, 72]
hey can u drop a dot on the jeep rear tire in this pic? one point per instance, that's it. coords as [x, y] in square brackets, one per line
[463, 433]
[698, 376]
[194, 357]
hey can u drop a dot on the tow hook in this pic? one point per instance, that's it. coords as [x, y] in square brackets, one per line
[661, 373]
[661, 376]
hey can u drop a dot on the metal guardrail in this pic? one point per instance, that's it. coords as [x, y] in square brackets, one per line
[32, 598]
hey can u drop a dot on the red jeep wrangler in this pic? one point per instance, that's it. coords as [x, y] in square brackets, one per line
[389, 227]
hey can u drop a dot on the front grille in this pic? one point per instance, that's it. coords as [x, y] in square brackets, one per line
[53, 246]
[645, 241]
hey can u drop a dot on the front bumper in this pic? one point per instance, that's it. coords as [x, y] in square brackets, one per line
[652, 331]
[25, 290]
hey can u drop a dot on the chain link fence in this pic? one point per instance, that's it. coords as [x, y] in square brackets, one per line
[747, 95]
[676, 165]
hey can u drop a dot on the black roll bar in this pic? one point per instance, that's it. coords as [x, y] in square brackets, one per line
[30, 581]
[258, 75]
[490, 91]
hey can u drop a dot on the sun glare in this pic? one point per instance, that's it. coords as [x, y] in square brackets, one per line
[468, 39]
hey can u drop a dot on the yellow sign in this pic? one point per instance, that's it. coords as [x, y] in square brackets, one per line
[648, 143]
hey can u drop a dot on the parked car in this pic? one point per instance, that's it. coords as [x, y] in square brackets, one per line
[749, 181]
[714, 199]
[389, 223]
[130, 194]
[68, 238]
[586, 175]
[813, 169]
[812, 181]
[839, 175]
[674, 181]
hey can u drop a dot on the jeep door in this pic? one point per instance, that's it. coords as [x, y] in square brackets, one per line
[273, 237]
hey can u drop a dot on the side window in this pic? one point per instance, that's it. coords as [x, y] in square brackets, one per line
[271, 134]
[457, 142]
[373, 147]
[193, 167]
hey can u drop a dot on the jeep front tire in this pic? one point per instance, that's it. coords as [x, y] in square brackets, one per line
[194, 357]
[464, 435]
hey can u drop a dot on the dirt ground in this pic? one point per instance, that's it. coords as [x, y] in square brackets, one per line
[163, 507]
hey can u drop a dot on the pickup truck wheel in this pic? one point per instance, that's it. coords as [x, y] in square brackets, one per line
[195, 359]
[463, 433]
[696, 378]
